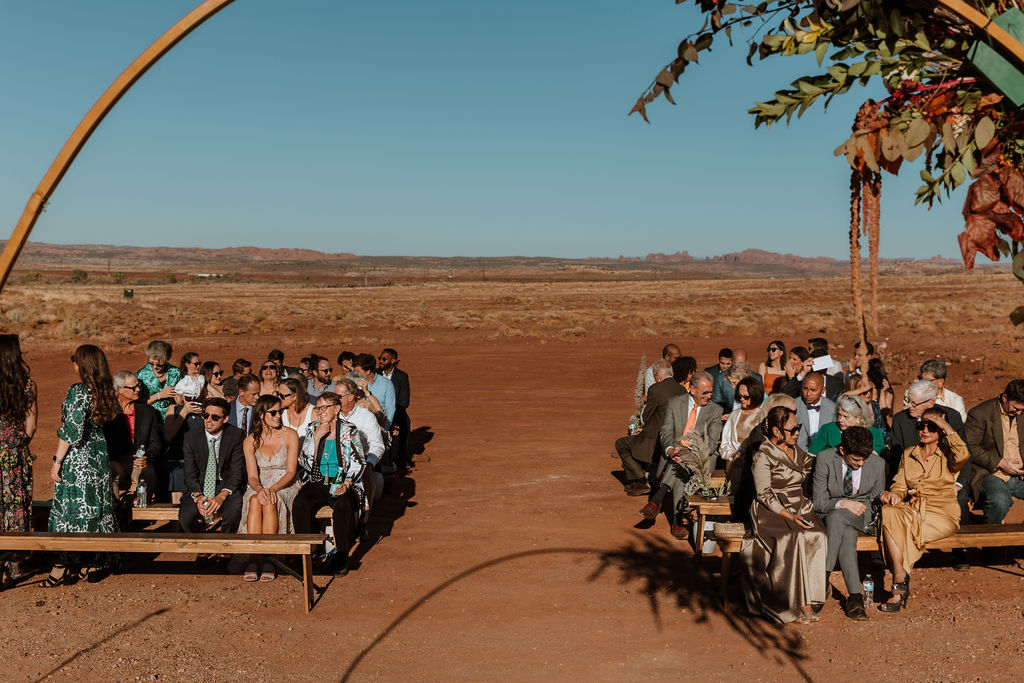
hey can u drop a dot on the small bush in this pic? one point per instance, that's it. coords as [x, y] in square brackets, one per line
[78, 276]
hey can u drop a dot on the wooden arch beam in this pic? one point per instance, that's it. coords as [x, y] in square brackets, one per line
[92, 119]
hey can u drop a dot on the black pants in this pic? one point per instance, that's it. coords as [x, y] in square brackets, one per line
[230, 514]
[313, 496]
[401, 444]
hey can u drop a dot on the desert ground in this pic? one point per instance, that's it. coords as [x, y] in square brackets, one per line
[510, 551]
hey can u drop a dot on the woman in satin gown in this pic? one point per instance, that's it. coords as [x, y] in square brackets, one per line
[786, 561]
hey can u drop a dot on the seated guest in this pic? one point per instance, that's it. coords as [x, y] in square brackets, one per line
[271, 462]
[884, 395]
[732, 377]
[636, 450]
[798, 366]
[321, 380]
[813, 409]
[773, 369]
[158, 377]
[192, 385]
[306, 368]
[380, 386]
[241, 413]
[137, 426]
[240, 367]
[371, 430]
[851, 411]
[298, 411]
[685, 415]
[722, 391]
[270, 377]
[847, 481]
[368, 400]
[833, 382]
[332, 460]
[861, 356]
[741, 474]
[214, 471]
[994, 436]
[284, 371]
[750, 395]
[739, 357]
[387, 364]
[818, 347]
[182, 417]
[935, 372]
[346, 363]
[214, 377]
[921, 505]
[905, 433]
[786, 561]
[683, 369]
[668, 354]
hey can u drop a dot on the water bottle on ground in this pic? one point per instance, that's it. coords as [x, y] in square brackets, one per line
[867, 587]
[141, 495]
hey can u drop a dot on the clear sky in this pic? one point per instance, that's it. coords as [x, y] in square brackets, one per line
[425, 128]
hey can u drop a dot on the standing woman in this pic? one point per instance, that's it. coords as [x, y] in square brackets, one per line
[270, 375]
[787, 558]
[82, 491]
[774, 367]
[271, 462]
[298, 411]
[214, 376]
[17, 425]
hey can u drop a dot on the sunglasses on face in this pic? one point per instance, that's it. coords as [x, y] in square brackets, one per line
[274, 413]
[211, 416]
[281, 394]
[134, 387]
[743, 397]
[195, 362]
[927, 426]
[271, 366]
[219, 373]
[773, 349]
[794, 430]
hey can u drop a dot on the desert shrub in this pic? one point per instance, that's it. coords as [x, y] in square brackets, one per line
[117, 278]
[506, 331]
[572, 333]
[78, 276]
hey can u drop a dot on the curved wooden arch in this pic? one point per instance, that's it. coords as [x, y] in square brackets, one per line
[92, 119]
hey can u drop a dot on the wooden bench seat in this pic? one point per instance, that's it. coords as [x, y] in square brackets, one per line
[157, 512]
[970, 536]
[270, 544]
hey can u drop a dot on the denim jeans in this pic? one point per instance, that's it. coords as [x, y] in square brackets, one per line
[996, 497]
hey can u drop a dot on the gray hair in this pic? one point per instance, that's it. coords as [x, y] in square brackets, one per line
[702, 375]
[924, 389]
[356, 376]
[738, 371]
[159, 349]
[935, 367]
[662, 369]
[857, 408]
[121, 377]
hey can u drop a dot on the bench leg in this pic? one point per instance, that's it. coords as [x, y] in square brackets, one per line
[699, 536]
[726, 557]
[307, 580]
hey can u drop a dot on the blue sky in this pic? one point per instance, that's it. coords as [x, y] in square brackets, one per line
[444, 128]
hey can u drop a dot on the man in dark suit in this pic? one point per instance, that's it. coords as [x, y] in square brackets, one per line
[686, 414]
[995, 434]
[135, 437]
[214, 471]
[636, 450]
[241, 410]
[847, 481]
[387, 365]
[812, 409]
[283, 371]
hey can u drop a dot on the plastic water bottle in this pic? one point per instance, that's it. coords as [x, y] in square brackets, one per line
[867, 587]
[142, 494]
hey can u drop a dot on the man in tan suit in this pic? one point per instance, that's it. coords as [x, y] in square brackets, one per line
[995, 436]
[685, 414]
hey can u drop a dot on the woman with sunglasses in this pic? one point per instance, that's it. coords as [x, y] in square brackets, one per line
[787, 557]
[271, 462]
[298, 412]
[773, 369]
[921, 505]
[184, 415]
[83, 498]
[270, 376]
[214, 376]
[750, 394]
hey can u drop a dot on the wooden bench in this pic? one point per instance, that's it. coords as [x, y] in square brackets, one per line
[706, 507]
[970, 536]
[163, 512]
[270, 544]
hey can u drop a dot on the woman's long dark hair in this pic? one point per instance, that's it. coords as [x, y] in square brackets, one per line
[782, 356]
[15, 401]
[185, 360]
[876, 373]
[263, 404]
[298, 388]
[95, 373]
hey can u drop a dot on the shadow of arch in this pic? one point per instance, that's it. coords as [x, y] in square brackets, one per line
[450, 582]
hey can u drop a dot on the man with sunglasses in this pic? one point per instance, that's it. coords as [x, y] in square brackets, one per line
[320, 382]
[214, 471]
[995, 435]
[138, 426]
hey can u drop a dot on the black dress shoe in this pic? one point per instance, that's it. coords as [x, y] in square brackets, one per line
[338, 565]
[854, 607]
[960, 563]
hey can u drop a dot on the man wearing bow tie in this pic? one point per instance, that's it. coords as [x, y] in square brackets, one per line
[812, 408]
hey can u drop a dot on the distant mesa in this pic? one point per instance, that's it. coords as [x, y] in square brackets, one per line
[678, 257]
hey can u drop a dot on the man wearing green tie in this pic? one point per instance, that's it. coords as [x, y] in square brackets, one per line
[214, 471]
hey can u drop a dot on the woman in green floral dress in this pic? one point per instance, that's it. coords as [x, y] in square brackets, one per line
[17, 425]
[82, 492]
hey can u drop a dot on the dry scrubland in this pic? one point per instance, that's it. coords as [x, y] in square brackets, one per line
[510, 551]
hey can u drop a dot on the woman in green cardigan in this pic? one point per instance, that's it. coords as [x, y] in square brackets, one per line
[851, 411]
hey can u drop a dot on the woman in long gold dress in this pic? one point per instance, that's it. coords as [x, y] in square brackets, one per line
[786, 560]
[921, 506]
